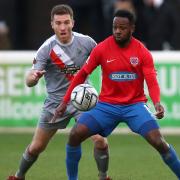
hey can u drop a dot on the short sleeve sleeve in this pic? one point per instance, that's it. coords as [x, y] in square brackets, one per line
[41, 57]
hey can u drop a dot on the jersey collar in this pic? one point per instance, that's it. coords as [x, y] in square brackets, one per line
[67, 44]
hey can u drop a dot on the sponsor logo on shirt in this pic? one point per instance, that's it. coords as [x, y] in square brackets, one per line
[110, 60]
[70, 69]
[79, 51]
[123, 76]
[134, 61]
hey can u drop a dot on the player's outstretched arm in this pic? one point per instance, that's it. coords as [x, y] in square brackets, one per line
[154, 92]
[33, 77]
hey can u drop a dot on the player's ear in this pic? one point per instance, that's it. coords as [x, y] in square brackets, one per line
[73, 23]
[52, 24]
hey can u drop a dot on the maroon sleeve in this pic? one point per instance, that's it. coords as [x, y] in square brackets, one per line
[78, 79]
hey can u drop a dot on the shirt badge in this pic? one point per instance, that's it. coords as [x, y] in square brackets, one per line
[134, 61]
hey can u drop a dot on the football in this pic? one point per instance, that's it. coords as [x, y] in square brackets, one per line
[84, 97]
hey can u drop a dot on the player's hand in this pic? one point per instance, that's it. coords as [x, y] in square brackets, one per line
[59, 111]
[37, 74]
[159, 111]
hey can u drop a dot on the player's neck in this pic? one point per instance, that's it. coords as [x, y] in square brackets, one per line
[65, 41]
[124, 44]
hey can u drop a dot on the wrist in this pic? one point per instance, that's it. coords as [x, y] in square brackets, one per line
[157, 104]
[65, 101]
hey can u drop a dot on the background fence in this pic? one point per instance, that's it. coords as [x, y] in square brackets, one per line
[20, 106]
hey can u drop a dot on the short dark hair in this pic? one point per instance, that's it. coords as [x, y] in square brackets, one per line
[126, 14]
[61, 9]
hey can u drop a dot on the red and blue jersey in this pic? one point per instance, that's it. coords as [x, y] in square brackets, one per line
[124, 71]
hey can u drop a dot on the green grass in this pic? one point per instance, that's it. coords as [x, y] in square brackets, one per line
[131, 159]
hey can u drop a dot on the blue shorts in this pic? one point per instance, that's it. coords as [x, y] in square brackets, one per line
[104, 118]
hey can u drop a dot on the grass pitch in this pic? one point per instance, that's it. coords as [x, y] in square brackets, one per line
[131, 158]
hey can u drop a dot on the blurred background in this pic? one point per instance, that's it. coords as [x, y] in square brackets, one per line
[24, 25]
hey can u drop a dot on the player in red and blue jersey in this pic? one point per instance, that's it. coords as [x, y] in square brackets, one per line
[125, 64]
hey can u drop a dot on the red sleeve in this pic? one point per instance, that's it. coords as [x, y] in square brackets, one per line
[150, 76]
[93, 60]
[78, 79]
[91, 63]
[153, 88]
[148, 64]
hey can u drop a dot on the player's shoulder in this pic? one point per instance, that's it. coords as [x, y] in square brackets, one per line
[49, 41]
[141, 48]
[138, 43]
[105, 43]
[45, 48]
[83, 37]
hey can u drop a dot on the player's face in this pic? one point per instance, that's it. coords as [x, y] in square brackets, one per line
[62, 26]
[122, 30]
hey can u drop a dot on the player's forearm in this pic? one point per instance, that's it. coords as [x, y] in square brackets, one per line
[153, 88]
[79, 78]
[30, 80]
[154, 93]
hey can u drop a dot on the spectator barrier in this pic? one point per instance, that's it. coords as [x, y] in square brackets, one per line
[20, 106]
